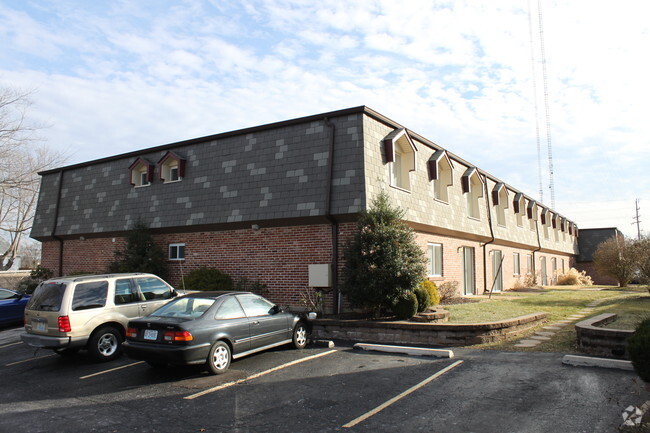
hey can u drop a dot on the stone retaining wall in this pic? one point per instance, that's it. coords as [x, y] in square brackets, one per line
[435, 334]
[602, 341]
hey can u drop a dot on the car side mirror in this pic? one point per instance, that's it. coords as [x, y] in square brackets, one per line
[174, 293]
[276, 309]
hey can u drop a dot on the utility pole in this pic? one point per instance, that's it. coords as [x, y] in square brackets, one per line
[637, 221]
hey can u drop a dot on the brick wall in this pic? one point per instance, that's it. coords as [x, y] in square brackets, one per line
[277, 257]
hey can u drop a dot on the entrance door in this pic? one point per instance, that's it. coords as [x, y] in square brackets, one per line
[468, 271]
[542, 264]
[497, 271]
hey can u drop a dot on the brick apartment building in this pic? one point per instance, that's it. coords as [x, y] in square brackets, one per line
[276, 204]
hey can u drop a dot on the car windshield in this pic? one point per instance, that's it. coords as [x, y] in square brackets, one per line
[47, 297]
[188, 308]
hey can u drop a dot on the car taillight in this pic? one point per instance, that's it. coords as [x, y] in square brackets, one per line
[131, 332]
[64, 324]
[177, 336]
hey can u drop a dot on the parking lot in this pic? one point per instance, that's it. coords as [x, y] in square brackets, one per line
[316, 389]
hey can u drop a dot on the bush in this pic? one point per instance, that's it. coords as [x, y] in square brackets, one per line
[207, 279]
[382, 260]
[28, 284]
[406, 306]
[448, 290]
[638, 346]
[141, 254]
[424, 298]
[434, 296]
[574, 278]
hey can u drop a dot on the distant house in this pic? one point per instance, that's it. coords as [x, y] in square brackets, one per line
[589, 241]
[276, 204]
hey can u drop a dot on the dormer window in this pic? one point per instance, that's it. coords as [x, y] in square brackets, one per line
[546, 221]
[400, 156]
[441, 172]
[519, 208]
[500, 200]
[141, 172]
[171, 167]
[531, 210]
[472, 187]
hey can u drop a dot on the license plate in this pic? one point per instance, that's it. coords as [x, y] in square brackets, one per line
[39, 326]
[150, 334]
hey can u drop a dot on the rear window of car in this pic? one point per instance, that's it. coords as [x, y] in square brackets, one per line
[90, 295]
[153, 288]
[47, 297]
[188, 308]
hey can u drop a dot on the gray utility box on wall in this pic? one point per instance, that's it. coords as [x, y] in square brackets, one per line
[320, 275]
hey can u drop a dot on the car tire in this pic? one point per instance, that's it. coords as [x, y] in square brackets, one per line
[67, 353]
[219, 358]
[105, 344]
[300, 338]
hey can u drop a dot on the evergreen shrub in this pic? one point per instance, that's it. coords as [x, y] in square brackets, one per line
[638, 346]
[208, 279]
[406, 306]
[424, 298]
[434, 296]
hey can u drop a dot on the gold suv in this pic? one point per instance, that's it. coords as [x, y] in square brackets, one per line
[91, 311]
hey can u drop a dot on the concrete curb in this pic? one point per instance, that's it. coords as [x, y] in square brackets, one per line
[417, 351]
[587, 361]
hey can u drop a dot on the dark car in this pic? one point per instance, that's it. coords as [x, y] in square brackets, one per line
[213, 328]
[12, 306]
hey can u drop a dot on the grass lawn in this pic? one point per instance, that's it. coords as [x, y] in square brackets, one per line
[631, 304]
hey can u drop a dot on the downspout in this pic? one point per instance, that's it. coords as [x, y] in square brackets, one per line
[56, 221]
[489, 216]
[332, 219]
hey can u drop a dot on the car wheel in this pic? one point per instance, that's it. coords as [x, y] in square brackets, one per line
[219, 358]
[300, 336]
[67, 353]
[105, 344]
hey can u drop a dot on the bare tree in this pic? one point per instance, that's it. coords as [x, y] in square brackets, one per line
[21, 158]
[615, 257]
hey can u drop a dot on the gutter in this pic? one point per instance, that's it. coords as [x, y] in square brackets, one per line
[539, 247]
[56, 220]
[332, 219]
[489, 216]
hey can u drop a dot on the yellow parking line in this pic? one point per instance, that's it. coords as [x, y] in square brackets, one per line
[255, 376]
[27, 360]
[381, 407]
[112, 369]
[12, 344]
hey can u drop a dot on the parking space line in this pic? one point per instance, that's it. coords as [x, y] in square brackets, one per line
[12, 344]
[383, 406]
[256, 375]
[112, 369]
[27, 360]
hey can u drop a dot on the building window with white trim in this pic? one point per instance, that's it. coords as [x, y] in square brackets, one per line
[529, 264]
[434, 257]
[515, 264]
[176, 251]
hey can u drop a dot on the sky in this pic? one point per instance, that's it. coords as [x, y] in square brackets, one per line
[110, 77]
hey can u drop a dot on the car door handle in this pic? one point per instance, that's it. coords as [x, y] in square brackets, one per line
[255, 322]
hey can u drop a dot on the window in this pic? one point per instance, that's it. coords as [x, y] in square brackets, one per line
[500, 199]
[185, 308]
[519, 207]
[515, 264]
[472, 187]
[153, 288]
[441, 172]
[176, 251]
[123, 292]
[400, 156]
[546, 222]
[529, 264]
[255, 306]
[89, 295]
[230, 309]
[531, 210]
[171, 167]
[141, 172]
[434, 257]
